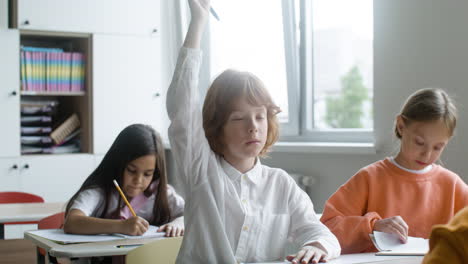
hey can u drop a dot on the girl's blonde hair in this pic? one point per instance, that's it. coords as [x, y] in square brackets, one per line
[227, 88]
[429, 104]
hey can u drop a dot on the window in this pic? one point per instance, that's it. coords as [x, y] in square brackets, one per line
[315, 57]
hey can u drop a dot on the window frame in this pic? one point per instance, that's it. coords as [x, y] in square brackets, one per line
[299, 70]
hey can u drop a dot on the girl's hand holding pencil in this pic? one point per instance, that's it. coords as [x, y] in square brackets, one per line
[134, 226]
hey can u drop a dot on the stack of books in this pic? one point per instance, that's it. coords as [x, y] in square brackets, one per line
[51, 70]
[42, 133]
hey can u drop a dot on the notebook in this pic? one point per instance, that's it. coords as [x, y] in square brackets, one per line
[151, 232]
[390, 245]
[58, 236]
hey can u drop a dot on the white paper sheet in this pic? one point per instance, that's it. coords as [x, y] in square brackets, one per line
[59, 236]
[151, 232]
[390, 244]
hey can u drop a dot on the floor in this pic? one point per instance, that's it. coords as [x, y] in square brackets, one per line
[17, 251]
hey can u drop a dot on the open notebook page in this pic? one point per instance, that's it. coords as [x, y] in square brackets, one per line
[390, 244]
[58, 236]
[151, 232]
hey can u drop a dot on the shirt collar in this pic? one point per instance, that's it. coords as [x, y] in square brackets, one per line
[253, 175]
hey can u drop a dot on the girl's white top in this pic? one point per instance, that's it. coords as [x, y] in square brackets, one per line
[91, 202]
[229, 216]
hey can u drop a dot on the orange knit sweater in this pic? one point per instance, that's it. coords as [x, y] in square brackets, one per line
[383, 190]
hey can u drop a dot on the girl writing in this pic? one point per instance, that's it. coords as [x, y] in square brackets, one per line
[136, 161]
[406, 194]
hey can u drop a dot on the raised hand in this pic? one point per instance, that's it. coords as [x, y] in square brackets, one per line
[199, 9]
[393, 225]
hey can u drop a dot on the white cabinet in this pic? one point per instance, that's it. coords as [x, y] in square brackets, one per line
[139, 17]
[9, 93]
[123, 84]
[97, 160]
[127, 90]
[9, 174]
[55, 177]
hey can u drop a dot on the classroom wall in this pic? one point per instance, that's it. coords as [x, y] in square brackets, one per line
[418, 43]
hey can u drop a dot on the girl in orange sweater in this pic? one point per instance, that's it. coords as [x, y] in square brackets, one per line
[406, 194]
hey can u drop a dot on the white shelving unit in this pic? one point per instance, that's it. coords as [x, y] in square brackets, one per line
[122, 45]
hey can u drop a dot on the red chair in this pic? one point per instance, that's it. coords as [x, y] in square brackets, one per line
[51, 222]
[17, 197]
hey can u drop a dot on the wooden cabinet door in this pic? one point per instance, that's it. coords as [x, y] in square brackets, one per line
[126, 86]
[9, 93]
[56, 177]
[140, 17]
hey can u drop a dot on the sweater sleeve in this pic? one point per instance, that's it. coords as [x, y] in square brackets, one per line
[461, 195]
[345, 214]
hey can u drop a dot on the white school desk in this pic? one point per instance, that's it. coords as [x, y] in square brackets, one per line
[81, 250]
[365, 258]
[25, 212]
[109, 248]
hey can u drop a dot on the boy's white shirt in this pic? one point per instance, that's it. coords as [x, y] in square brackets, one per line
[225, 223]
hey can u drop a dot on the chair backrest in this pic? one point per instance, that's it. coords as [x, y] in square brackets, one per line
[52, 221]
[160, 251]
[19, 197]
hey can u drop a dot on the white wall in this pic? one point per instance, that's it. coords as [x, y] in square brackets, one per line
[418, 43]
[3, 14]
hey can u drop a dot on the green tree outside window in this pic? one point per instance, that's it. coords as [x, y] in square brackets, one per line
[345, 110]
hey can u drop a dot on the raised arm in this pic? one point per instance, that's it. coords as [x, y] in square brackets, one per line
[199, 11]
[186, 135]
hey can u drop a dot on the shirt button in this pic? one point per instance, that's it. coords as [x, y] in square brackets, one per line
[244, 177]
[244, 200]
[245, 228]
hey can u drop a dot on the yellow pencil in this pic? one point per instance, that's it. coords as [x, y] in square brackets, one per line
[124, 198]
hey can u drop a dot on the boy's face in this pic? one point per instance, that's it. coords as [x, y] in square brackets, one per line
[245, 132]
[138, 175]
[422, 143]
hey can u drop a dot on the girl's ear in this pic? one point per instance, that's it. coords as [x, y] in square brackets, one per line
[400, 124]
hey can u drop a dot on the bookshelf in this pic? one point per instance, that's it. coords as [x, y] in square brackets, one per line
[121, 44]
[44, 80]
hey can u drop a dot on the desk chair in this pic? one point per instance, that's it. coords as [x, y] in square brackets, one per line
[51, 222]
[162, 251]
[17, 197]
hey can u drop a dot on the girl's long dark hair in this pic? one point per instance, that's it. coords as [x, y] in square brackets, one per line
[132, 143]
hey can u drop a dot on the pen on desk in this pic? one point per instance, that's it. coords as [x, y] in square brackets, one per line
[126, 246]
[215, 15]
[124, 198]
